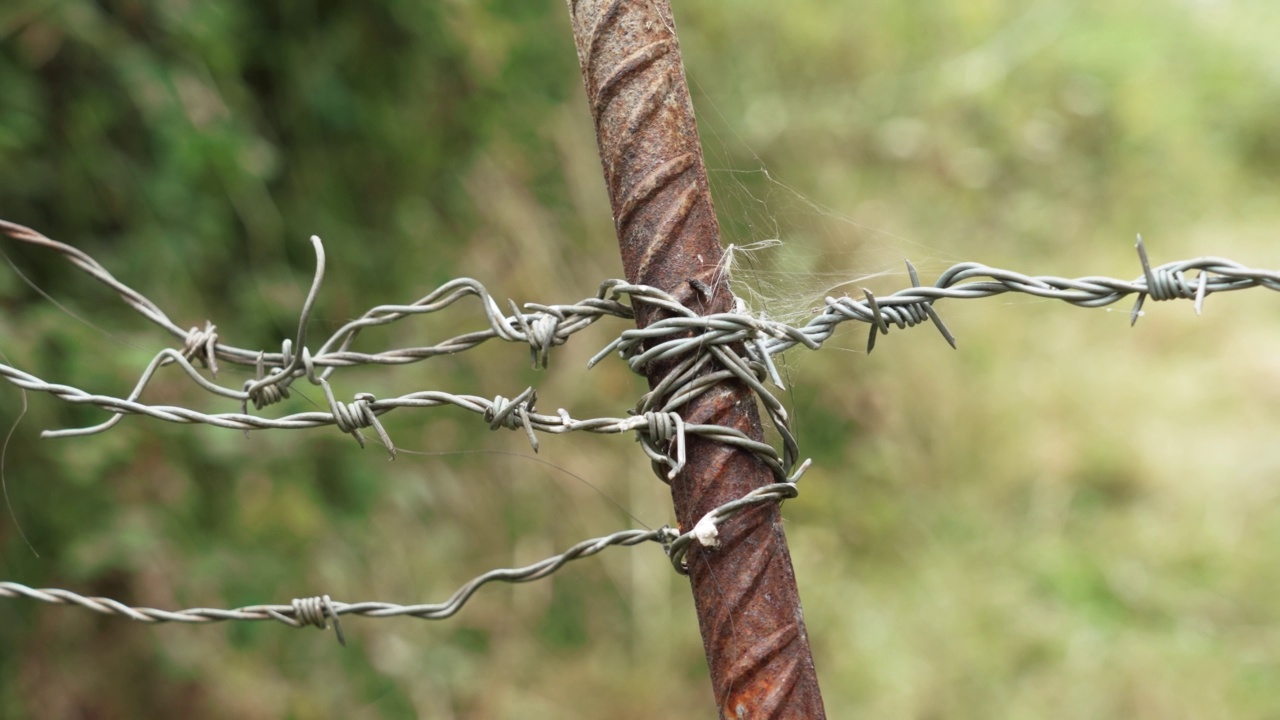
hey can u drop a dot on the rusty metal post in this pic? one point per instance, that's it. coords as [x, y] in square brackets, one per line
[745, 590]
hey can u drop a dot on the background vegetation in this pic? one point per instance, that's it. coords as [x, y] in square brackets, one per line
[1066, 518]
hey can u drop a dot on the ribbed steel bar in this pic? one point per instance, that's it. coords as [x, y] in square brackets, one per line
[745, 590]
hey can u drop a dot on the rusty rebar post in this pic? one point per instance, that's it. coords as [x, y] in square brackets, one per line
[745, 590]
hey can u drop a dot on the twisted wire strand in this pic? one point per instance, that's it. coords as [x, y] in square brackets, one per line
[540, 326]
[316, 611]
[912, 306]
[500, 412]
[550, 325]
[81, 259]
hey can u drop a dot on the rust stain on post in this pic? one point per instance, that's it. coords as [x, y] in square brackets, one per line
[745, 590]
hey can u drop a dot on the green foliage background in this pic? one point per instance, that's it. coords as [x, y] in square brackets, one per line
[1065, 518]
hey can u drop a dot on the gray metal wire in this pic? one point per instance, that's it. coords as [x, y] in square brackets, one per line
[548, 325]
[703, 350]
[317, 611]
[541, 327]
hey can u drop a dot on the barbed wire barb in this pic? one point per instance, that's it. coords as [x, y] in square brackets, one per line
[928, 308]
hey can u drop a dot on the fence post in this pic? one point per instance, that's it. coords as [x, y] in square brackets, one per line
[745, 591]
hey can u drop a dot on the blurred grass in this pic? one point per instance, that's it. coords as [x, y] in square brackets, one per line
[1065, 518]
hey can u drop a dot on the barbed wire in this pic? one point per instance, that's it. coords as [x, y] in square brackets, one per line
[703, 351]
[317, 611]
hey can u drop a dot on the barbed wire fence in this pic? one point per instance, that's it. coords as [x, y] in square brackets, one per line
[703, 350]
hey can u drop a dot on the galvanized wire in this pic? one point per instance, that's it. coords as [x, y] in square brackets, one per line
[703, 351]
[316, 611]
[541, 327]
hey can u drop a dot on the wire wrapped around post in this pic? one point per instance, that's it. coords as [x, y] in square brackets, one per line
[743, 584]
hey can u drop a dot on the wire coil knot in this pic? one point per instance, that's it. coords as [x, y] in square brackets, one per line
[316, 612]
[1167, 283]
[656, 436]
[352, 417]
[542, 334]
[263, 394]
[513, 414]
[904, 312]
[268, 386]
[202, 345]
